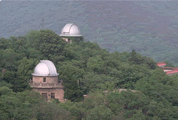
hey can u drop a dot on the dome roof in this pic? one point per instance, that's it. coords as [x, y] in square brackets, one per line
[45, 68]
[70, 30]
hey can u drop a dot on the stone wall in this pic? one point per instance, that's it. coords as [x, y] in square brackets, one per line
[49, 79]
[59, 93]
[50, 86]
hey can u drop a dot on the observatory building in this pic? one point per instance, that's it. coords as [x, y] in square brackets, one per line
[71, 32]
[45, 77]
[45, 81]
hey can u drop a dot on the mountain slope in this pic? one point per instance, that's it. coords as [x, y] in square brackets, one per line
[148, 27]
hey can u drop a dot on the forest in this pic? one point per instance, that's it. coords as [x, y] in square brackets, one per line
[149, 27]
[96, 69]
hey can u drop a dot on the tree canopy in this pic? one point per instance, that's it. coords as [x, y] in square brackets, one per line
[85, 68]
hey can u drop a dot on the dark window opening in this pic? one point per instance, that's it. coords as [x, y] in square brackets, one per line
[52, 95]
[44, 96]
[44, 79]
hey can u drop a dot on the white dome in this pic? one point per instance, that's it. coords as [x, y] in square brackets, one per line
[45, 68]
[70, 30]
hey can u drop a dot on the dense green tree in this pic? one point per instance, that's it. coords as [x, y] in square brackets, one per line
[28, 105]
[134, 58]
[8, 59]
[99, 113]
[91, 81]
[168, 64]
[33, 53]
[95, 64]
[26, 67]
[46, 41]
[85, 68]
[4, 44]
[71, 76]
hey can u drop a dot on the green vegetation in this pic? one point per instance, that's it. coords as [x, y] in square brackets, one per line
[161, 47]
[85, 68]
[149, 27]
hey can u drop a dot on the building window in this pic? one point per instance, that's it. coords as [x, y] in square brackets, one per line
[44, 79]
[52, 95]
[44, 95]
[69, 41]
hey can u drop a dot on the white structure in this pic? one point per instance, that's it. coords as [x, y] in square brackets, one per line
[45, 81]
[45, 68]
[70, 30]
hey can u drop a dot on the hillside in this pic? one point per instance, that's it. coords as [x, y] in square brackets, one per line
[148, 27]
[85, 69]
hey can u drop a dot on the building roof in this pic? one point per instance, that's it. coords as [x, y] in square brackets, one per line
[45, 68]
[172, 72]
[159, 64]
[170, 68]
[70, 30]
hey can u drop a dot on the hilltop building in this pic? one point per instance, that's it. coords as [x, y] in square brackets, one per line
[45, 81]
[45, 77]
[71, 32]
[168, 70]
[161, 64]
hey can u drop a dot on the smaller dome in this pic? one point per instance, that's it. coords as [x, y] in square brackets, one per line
[70, 30]
[45, 68]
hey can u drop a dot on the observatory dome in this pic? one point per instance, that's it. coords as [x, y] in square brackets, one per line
[70, 30]
[45, 68]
